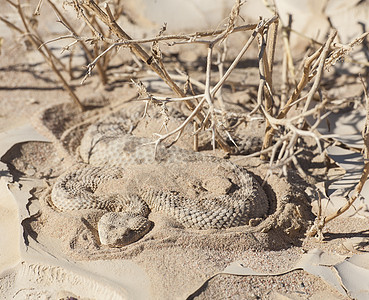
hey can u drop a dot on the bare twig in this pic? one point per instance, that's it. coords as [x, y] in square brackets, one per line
[82, 41]
[319, 72]
[144, 56]
[306, 76]
[342, 50]
[285, 66]
[258, 29]
[36, 41]
[38, 7]
[265, 71]
[210, 94]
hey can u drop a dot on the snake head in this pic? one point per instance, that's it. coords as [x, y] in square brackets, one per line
[117, 229]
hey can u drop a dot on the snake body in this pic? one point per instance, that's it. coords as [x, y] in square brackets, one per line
[107, 151]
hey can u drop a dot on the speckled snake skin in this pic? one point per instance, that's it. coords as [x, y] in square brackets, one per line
[107, 149]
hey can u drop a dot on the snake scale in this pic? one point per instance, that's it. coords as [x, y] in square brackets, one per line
[107, 150]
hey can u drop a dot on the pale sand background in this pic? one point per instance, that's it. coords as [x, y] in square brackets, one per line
[169, 268]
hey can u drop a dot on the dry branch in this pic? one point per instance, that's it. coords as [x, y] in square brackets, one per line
[210, 94]
[144, 56]
[36, 41]
[206, 119]
[74, 35]
[306, 77]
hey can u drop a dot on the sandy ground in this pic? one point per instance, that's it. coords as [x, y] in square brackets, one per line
[46, 254]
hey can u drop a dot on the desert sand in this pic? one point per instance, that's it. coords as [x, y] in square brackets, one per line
[48, 254]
